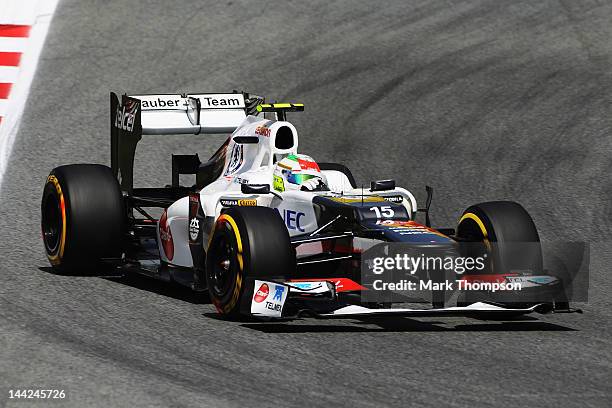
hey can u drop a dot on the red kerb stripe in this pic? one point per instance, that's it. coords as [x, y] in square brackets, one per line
[10, 30]
[10, 58]
[4, 90]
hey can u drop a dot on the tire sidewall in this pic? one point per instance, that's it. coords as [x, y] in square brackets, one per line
[54, 191]
[266, 252]
[225, 228]
[92, 224]
[508, 229]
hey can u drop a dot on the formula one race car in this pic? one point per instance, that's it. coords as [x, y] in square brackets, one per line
[265, 230]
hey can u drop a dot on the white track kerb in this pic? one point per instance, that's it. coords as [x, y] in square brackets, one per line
[23, 28]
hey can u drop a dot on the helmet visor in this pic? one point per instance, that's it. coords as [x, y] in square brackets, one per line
[299, 178]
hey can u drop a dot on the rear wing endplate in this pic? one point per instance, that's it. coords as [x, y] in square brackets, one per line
[166, 114]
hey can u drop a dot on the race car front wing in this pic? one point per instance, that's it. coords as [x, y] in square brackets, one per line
[318, 299]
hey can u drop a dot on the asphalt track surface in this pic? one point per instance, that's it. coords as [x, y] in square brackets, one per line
[481, 99]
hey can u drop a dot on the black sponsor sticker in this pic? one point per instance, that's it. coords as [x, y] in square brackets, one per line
[394, 198]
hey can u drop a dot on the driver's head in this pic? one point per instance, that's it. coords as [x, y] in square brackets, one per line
[298, 172]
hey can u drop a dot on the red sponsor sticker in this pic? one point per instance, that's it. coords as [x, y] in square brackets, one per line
[262, 130]
[166, 236]
[308, 165]
[194, 204]
[262, 293]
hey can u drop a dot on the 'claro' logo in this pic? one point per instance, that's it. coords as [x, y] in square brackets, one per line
[262, 293]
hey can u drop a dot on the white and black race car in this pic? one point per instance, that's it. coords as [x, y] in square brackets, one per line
[264, 230]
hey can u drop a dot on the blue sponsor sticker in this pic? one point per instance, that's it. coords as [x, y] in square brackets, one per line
[305, 285]
[292, 218]
[542, 280]
[278, 293]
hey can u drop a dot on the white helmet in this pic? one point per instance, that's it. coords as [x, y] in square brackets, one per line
[298, 172]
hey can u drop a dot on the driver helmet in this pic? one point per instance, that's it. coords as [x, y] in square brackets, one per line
[297, 171]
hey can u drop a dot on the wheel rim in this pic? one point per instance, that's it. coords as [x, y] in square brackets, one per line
[51, 223]
[223, 267]
[469, 230]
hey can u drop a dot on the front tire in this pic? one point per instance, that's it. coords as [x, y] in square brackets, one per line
[82, 216]
[507, 229]
[508, 235]
[247, 242]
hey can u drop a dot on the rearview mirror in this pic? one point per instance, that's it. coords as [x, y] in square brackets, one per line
[382, 185]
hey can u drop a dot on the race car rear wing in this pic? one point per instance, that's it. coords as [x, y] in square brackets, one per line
[166, 114]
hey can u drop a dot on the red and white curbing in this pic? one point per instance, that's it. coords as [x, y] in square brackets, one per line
[13, 43]
[23, 28]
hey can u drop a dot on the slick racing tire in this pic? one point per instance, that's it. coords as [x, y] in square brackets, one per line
[82, 216]
[509, 238]
[507, 230]
[246, 242]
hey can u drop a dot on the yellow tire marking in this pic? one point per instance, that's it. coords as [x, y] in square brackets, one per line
[230, 305]
[57, 258]
[481, 225]
[478, 221]
[231, 221]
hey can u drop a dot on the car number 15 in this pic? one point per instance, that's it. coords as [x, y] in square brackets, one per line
[383, 212]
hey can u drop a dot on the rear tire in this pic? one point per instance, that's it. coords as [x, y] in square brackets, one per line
[82, 216]
[247, 242]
